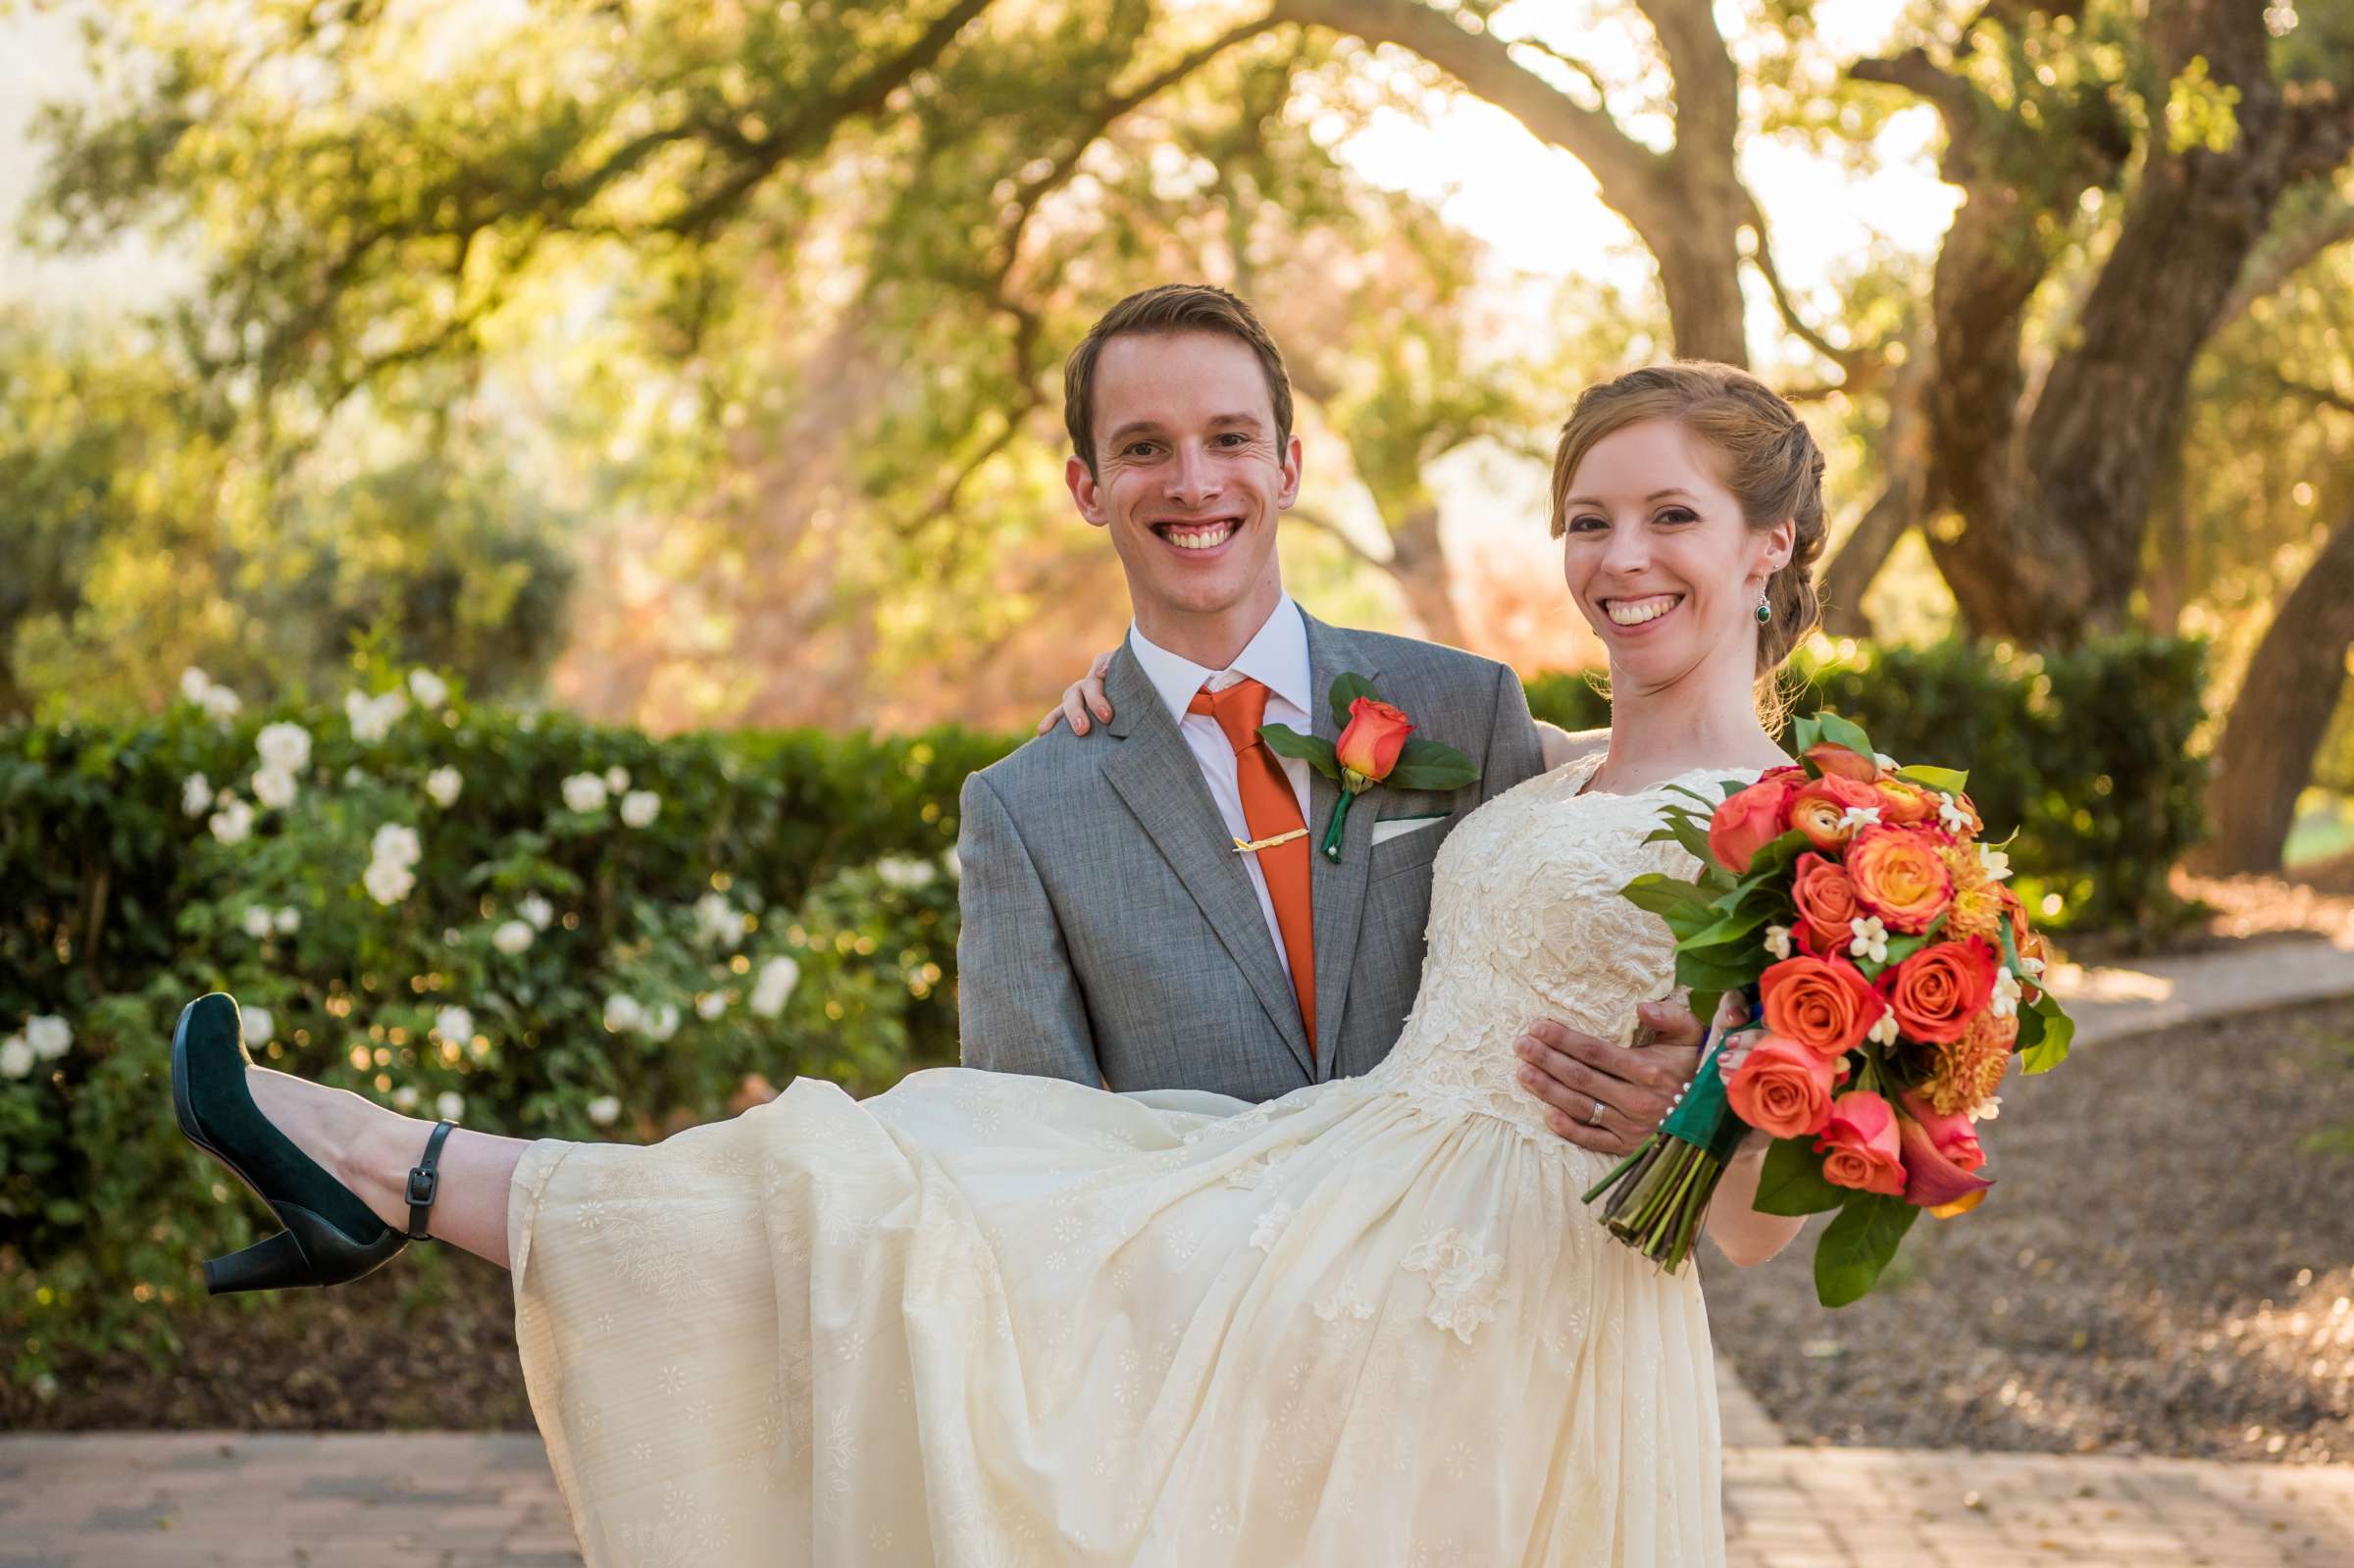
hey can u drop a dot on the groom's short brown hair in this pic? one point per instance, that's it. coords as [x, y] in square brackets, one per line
[1168, 308]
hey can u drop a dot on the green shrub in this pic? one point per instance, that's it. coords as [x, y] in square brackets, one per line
[830, 854]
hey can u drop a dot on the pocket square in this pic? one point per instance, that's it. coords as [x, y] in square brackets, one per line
[1393, 827]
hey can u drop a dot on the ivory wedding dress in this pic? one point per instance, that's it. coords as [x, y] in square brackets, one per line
[985, 1320]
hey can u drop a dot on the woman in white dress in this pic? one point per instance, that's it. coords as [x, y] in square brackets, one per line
[985, 1319]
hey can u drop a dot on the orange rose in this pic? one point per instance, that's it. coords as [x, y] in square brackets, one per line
[1816, 808]
[1935, 993]
[1747, 823]
[1829, 757]
[1826, 904]
[1369, 749]
[1898, 877]
[1824, 1003]
[1782, 1088]
[1905, 804]
[1860, 1145]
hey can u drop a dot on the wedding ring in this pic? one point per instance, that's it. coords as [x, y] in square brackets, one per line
[1595, 1119]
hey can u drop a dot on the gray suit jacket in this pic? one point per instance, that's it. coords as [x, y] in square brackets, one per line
[1112, 936]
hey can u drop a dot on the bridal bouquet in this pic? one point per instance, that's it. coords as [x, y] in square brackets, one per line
[1848, 902]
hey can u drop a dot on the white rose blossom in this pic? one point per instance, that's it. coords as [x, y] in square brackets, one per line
[388, 883]
[404, 1099]
[257, 923]
[287, 921]
[450, 1106]
[512, 936]
[49, 1036]
[584, 792]
[443, 784]
[284, 746]
[194, 683]
[273, 787]
[454, 1023]
[663, 1023]
[221, 703]
[396, 843]
[716, 921]
[196, 795]
[624, 1013]
[429, 688]
[258, 1027]
[639, 807]
[605, 1110]
[777, 977]
[538, 910]
[15, 1056]
[710, 1004]
[904, 872]
[372, 718]
[234, 823]
[617, 777]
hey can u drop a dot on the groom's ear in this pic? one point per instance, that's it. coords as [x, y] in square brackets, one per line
[1086, 494]
[1291, 476]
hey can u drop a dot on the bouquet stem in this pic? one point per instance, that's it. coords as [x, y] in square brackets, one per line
[1659, 1193]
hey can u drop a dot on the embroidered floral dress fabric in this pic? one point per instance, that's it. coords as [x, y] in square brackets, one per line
[986, 1320]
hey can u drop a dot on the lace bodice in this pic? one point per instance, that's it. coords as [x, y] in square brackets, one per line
[1527, 923]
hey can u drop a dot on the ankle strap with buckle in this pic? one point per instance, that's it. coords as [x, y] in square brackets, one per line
[424, 1180]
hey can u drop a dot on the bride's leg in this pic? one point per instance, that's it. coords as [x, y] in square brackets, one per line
[370, 1148]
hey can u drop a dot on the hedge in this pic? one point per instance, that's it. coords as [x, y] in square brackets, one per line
[788, 908]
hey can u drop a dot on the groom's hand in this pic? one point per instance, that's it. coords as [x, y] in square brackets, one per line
[1635, 1085]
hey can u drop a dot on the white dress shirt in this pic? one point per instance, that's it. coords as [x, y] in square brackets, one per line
[1277, 659]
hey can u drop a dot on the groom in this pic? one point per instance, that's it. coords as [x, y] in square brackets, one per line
[1143, 906]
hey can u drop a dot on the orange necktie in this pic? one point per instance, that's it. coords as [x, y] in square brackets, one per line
[1270, 808]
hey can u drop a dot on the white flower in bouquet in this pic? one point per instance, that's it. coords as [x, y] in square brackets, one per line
[624, 1013]
[257, 923]
[605, 1110]
[449, 1105]
[221, 703]
[617, 777]
[904, 872]
[49, 1036]
[372, 718]
[234, 823]
[404, 1099]
[2006, 994]
[716, 921]
[664, 1022]
[1996, 862]
[284, 746]
[15, 1056]
[584, 792]
[388, 883]
[710, 1004]
[258, 1026]
[443, 784]
[777, 977]
[1868, 939]
[196, 796]
[288, 921]
[512, 936]
[396, 843]
[538, 910]
[1777, 940]
[273, 787]
[429, 688]
[194, 683]
[639, 807]
[454, 1023]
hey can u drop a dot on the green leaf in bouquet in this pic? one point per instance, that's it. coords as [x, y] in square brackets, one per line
[1843, 733]
[1718, 968]
[2050, 1049]
[1858, 1245]
[1662, 894]
[1806, 734]
[1900, 948]
[1732, 787]
[1314, 751]
[1345, 689]
[1707, 807]
[1950, 780]
[1689, 833]
[1771, 862]
[1793, 1183]
[1728, 928]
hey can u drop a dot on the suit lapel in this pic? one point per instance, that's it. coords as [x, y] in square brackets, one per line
[1337, 892]
[1158, 778]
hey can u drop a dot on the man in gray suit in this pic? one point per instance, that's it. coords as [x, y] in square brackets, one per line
[1141, 907]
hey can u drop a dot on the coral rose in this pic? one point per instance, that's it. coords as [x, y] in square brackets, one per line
[1935, 991]
[1830, 757]
[1899, 877]
[1782, 1088]
[1817, 807]
[1369, 747]
[1824, 1003]
[1905, 804]
[1826, 902]
[1748, 821]
[1860, 1145]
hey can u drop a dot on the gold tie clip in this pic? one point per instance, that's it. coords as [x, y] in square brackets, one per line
[1246, 846]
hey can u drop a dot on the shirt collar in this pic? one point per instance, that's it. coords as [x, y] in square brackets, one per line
[1276, 657]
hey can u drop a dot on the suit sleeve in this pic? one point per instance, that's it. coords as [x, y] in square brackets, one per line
[1018, 1006]
[1516, 752]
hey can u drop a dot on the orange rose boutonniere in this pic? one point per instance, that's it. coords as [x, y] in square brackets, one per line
[1377, 747]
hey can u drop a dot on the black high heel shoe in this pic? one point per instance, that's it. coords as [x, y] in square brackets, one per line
[331, 1236]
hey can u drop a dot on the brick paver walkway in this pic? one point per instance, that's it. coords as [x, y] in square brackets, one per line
[456, 1500]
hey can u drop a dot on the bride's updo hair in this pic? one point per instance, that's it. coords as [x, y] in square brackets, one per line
[1767, 458]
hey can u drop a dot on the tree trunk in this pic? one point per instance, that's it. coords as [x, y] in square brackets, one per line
[2281, 715]
[1419, 568]
[1905, 457]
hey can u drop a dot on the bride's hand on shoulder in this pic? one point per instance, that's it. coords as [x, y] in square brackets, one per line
[1080, 697]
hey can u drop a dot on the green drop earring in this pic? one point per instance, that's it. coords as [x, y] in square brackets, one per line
[1765, 608]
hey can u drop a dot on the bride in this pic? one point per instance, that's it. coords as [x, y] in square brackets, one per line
[986, 1319]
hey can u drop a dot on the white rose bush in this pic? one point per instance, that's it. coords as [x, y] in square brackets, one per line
[545, 928]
